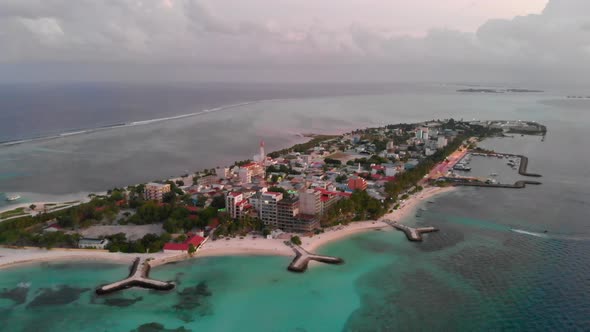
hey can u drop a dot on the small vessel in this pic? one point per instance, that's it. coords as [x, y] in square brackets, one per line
[12, 198]
[494, 174]
[462, 167]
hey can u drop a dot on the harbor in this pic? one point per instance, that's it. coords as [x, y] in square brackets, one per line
[489, 171]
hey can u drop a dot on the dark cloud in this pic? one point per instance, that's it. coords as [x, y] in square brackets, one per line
[186, 33]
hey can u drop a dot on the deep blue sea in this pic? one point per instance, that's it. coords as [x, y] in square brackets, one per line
[510, 260]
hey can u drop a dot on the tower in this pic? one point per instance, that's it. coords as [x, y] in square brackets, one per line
[262, 154]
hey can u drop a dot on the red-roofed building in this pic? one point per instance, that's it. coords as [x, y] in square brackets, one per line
[357, 183]
[196, 240]
[193, 209]
[53, 228]
[173, 247]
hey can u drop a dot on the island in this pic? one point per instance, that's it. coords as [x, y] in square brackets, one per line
[288, 202]
[491, 90]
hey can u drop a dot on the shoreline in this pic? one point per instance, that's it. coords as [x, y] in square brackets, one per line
[247, 246]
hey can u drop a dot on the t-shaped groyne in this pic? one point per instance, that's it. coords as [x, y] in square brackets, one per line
[138, 277]
[303, 257]
[413, 234]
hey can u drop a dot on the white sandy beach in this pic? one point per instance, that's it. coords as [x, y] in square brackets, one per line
[248, 245]
[409, 207]
[11, 257]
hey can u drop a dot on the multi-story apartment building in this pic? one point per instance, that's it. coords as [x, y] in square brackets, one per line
[234, 204]
[155, 191]
[309, 202]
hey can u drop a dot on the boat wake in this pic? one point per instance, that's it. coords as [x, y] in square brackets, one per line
[24, 284]
[552, 236]
[520, 231]
[127, 124]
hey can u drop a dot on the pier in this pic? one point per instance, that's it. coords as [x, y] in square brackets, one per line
[524, 163]
[413, 234]
[303, 257]
[138, 277]
[517, 185]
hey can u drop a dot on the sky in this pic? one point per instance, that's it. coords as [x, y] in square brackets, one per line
[295, 40]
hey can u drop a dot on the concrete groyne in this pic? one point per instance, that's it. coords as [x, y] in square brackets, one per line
[138, 277]
[303, 257]
[517, 185]
[413, 234]
[524, 163]
[522, 169]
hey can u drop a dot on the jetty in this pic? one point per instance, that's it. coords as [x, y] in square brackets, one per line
[138, 277]
[413, 234]
[522, 169]
[303, 257]
[517, 185]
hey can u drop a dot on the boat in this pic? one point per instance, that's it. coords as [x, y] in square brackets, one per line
[494, 174]
[461, 167]
[12, 198]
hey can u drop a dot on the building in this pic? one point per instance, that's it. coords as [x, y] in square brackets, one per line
[222, 173]
[357, 183]
[268, 207]
[196, 240]
[441, 142]
[155, 191]
[309, 202]
[88, 243]
[248, 171]
[235, 203]
[284, 213]
[422, 133]
[287, 211]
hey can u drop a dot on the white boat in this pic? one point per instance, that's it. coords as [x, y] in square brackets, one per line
[12, 198]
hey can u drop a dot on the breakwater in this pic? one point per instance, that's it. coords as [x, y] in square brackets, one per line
[524, 162]
[522, 169]
[138, 277]
[517, 185]
[413, 234]
[303, 257]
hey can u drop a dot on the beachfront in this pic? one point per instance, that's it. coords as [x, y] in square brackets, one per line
[249, 245]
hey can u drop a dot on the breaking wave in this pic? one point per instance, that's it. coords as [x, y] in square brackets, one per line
[126, 124]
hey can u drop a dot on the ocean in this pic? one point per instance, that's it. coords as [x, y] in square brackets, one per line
[504, 259]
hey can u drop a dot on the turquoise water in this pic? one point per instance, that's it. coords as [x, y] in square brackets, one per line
[476, 274]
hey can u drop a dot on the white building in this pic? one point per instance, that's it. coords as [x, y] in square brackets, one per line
[309, 202]
[390, 171]
[234, 204]
[155, 191]
[245, 175]
[441, 142]
[87, 243]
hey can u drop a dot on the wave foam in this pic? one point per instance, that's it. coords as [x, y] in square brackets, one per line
[127, 124]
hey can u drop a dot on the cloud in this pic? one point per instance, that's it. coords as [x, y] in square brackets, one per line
[190, 33]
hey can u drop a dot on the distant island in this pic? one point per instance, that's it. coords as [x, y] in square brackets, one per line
[499, 91]
[578, 97]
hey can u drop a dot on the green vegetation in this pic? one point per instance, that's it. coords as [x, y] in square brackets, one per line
[332, 161]
[149, 243]
[296, 240]
[13, 213]
[241, 227]
[303, 147]
[191, 249]
[360, 206]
